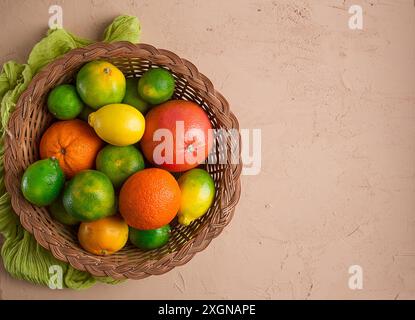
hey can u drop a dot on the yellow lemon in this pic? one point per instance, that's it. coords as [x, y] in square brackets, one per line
[118, 124]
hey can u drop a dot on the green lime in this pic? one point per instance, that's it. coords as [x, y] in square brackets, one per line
[156, 86]
[118, 163]
[150, 239]
[89, 196]
[132, 98]
[64, 102]
[86, 111]
[42, 182]
[57, 210]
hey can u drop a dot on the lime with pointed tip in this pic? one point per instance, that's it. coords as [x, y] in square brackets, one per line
[198, 192]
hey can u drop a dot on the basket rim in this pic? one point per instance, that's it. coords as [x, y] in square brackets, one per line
[125, 49]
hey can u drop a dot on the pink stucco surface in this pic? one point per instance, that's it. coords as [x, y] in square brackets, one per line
[336, 108]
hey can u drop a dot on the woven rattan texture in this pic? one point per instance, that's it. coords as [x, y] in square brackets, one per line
[31, 118]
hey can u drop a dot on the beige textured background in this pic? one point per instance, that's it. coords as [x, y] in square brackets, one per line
[337, 113]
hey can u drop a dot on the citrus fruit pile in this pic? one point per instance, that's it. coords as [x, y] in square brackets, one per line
[106, 161]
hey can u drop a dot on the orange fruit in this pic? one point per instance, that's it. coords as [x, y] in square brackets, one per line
[74, 143]
[104, 236]
[149, 199]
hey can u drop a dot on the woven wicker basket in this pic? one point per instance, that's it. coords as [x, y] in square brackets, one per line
[31, 118]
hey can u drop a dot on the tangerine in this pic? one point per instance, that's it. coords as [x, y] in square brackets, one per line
[104, 236]
[74, 143]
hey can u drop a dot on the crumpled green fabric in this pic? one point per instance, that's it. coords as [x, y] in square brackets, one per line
[22, 257]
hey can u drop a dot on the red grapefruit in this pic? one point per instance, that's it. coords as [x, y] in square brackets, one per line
[178, 135]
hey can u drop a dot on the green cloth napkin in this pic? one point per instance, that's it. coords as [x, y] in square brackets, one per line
[23, 258]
